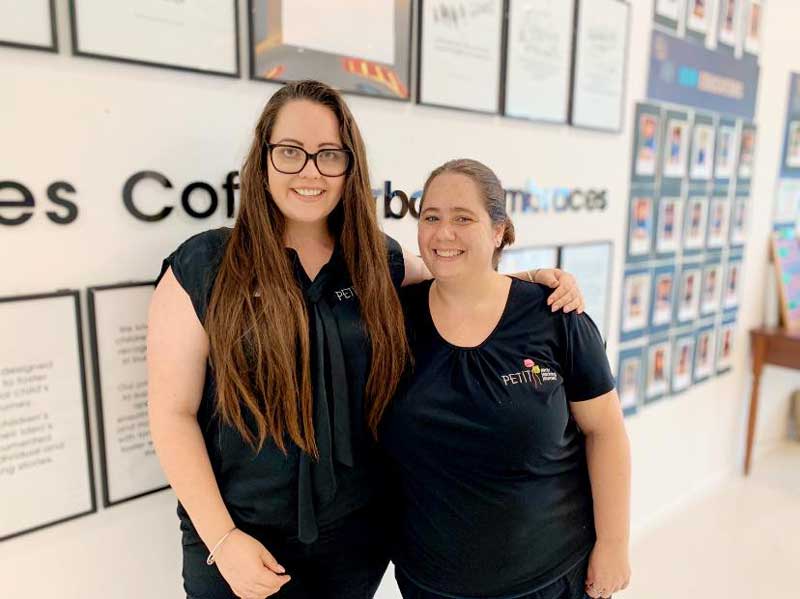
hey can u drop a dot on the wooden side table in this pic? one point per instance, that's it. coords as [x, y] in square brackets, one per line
[770, 345]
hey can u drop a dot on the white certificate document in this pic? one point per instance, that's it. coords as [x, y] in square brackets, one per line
[357, 28]
[591, 264]
[460, 54]
[539, 59]
[120, 330]
[44, 452]
[192, 34]
[27, 22]
[600, 64]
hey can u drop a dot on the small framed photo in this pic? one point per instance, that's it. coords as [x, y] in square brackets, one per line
[725, 349]
[640, 234]
[726, 152]
[698, 15]
[752, 38]
[670, 9]
[647, 150]
[727, 22]
[704, 357]
[689, 293]
[793, 145]
[629, 379]
[712, 287]
[670, 220]
[636, 302]
[683, 358]
[694, 232]
[730, 292]
[663, 295]
[747, 153]
[718, 222]
[658, 370]
[739, 221]
[702, 152]
[675, 148]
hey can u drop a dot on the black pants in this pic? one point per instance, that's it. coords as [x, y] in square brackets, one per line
[569, 586]
[346, 562]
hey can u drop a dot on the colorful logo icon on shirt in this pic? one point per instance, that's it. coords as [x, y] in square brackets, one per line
[536, 371]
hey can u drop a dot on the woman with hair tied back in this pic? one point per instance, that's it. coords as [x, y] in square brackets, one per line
[274, 349]
[507, 435]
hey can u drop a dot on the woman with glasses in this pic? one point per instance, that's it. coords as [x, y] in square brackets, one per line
[274, 348]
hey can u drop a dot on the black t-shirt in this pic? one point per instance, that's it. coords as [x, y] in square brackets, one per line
[495, 494]
[292, 493]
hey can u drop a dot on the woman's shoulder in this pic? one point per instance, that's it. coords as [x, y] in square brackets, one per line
[532, 296]
[205, 244]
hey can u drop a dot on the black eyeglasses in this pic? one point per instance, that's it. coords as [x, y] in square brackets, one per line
[290, 160]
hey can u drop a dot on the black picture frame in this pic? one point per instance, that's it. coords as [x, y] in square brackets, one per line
[609, 275]
[52, 48]
[98, 393]
[504, 70]
[75, 294]
[408, 37]
[625, 63]
[499, 96]
[76, 51]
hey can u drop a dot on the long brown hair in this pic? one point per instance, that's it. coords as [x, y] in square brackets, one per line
[491, 191]
[259, 345]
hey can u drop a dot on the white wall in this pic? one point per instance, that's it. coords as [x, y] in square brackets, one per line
[94, 123]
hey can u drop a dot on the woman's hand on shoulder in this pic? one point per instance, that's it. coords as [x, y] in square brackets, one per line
[609, 569]
[567, 294]
[249, 568]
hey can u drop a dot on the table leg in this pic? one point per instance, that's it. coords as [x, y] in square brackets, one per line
[759, 344]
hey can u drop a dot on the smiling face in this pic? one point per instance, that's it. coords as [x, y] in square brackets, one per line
[308, 196]
[456, 236]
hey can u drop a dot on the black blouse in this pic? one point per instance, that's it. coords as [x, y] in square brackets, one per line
[291, 492]
[495, 497]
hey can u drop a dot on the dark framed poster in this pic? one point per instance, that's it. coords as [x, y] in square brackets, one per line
[30, 24]
[538, 59]
[359, 47]
[600, 65]
[45, 455]
[460, 54]
[201, 36]
[590, 263]
[118, 333]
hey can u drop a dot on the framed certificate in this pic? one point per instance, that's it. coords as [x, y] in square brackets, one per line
[459, 54]
[647, 142]
[676, 147]
[658, 370]
[663, 293]
[45, 456]
[118, 327]
[601, 50]
[629, 379]
[590, 263]
[539, 59]
[698, 16]
[702, 154]
[712, 288]
[669, 225]
[704, 354]
[694, 227]
[635, 303]
[752, 34]
[688, 300]
[30, 24]
[528, 258]
[682, 361]
[726, 340]
[641, 219]
[359, 46]
[192, 35]
[728, 19]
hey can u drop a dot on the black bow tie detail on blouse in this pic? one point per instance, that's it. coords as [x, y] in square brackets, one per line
[317, 480]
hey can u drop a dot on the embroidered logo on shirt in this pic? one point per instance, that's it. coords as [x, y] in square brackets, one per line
[532, 373]
[344, 294]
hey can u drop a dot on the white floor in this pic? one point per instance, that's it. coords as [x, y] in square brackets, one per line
[740, 542]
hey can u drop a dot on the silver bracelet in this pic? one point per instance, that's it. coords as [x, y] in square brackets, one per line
[211, 556]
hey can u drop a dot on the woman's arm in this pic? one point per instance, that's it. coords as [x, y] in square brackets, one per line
[567, 294]
[177, 352]
[609, 460]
